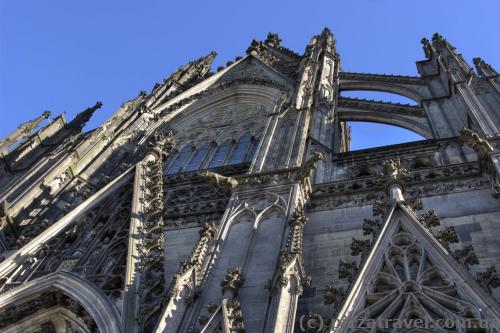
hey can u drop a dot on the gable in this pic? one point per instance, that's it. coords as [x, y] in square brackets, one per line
[253, 68]
[409, 275]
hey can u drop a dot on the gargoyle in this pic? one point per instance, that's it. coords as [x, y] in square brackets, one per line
[226, 184]
[480, 145]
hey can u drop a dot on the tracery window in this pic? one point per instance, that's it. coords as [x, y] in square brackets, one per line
[213, 156]
[197, 159]
[179, 160]
[240, 149]
[220, 155]
[252, 150]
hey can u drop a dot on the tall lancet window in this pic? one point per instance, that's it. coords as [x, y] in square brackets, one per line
[252, 150]
[197, 159]
[179, 160]
[220, 155]
[240, 149]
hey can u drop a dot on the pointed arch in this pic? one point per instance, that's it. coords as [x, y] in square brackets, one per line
[93, 300]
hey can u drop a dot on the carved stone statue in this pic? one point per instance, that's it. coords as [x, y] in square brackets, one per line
[394, 169]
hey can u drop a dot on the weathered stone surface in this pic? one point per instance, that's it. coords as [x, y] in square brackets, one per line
[259, 198]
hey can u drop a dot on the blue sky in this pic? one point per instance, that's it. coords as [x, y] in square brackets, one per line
[64, 55]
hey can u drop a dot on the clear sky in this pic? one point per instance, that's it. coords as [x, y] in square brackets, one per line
[64, 55]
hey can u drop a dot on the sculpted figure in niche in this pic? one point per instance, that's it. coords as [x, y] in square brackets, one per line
[226, 184]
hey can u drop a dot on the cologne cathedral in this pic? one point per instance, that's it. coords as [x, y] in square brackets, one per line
[230, 201]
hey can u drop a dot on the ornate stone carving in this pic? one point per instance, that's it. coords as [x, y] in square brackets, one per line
[211, 308]
[489, 279]
[273, 39]
[371, 227]
[480, 145]
[414, 200]
[429, 219]
[484, 69]
[380, 207]
[226, 184]
[22, 132]
[233, 281]
[307, 170]
[334, 296]
[447, 236]
[294, 248]
[394, 171]
[466, 256]
[235, 316]
[161, 144]
[222, 86]
[360, 246]
[152, 293]
[198, 254]
[347, 270]
[409, 281]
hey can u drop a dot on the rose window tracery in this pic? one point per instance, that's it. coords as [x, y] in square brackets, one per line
[410, 286]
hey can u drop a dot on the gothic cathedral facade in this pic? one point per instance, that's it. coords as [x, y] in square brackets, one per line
[231, 202]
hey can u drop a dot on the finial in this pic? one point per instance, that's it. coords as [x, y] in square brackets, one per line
[440, 41]
[484, 69]
[83, 117]
[273, 39]
[46, 114]
[437, 38]
[425, 42]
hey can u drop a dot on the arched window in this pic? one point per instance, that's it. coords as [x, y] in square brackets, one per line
[197, 159]
[240, 149]
[220, 155]
[179, 160]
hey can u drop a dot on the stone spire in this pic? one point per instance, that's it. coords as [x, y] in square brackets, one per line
[182, 79]
[484, 69]
[83, 117]
[324, 41]
[21, 132]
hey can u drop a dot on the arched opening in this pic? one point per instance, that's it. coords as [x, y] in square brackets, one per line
[381, 96]
[366, 135]
[58, 301]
